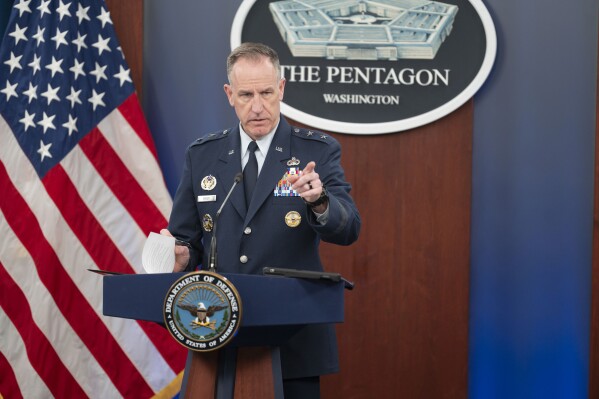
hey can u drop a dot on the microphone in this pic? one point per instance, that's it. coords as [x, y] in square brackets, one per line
[212, 257]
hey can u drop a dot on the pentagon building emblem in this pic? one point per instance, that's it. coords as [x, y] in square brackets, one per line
[202, 311]
[372, 66]
[364, 30]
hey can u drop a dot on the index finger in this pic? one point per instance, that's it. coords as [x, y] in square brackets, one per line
[309, 167]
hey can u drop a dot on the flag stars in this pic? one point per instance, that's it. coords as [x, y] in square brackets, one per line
[104, 17]
[71, 125]
[54, 66]
[82, 13]
[44, 8]
[59, 38]
[74, 97]
[27, 120]
[99, 72]
[123, 75]
[9, 90]
[63, 9]
[44, 150]
[35, 64]
[46, 122]
[77, 69]
[102, 44]
[80, 41]
[51, 93]
[18, 34]
[39, 36]
[14, 62]
[23, 6]
[96, 99]
[31, 92]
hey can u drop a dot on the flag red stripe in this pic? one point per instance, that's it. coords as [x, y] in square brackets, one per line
[122, 183]
[41, 354]
[104, 252]
[133, 114]
[73, 305]
[9, 388]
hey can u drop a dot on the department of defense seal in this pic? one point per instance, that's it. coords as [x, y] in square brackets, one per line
[202, 311]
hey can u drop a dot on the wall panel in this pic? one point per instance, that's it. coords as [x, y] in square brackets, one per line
[406, 329]
[127, 17]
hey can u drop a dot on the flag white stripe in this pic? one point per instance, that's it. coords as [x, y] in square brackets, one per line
[13, 348]
[141, 162]
[107, 209]
[48, 318]
[128, 334]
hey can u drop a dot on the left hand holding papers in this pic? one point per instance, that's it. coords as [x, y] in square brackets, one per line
[158, 255]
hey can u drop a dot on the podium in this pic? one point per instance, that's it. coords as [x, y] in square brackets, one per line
[273, 310]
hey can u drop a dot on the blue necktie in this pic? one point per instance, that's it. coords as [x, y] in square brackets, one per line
[250, 172]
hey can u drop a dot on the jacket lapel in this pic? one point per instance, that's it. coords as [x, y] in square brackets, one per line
[231, 159]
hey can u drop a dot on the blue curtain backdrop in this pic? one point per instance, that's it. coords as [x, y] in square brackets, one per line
[186, 44]
[534, 128]
[532, 205]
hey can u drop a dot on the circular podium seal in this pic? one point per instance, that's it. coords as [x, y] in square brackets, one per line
[202, 311]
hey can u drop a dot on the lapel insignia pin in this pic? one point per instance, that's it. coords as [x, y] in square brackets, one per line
[279, 149]
[231, 152]
[208, 182]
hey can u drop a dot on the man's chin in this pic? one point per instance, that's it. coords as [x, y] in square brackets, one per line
[257, 129]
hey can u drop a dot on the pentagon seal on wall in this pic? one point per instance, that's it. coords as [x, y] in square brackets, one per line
[202, 311]
[372, 66]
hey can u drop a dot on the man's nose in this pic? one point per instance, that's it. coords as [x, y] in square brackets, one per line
[257, 105]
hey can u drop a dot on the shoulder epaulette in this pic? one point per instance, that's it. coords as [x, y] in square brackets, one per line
[311, 135]
[211, 137]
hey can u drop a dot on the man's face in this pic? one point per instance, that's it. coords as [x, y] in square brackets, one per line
[255, 91]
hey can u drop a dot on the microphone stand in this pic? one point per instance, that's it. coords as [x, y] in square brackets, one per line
[213, 253]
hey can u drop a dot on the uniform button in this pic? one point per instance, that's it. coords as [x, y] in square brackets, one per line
[248, 230]
[243, 259]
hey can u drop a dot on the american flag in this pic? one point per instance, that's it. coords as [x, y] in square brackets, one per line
[80, 187]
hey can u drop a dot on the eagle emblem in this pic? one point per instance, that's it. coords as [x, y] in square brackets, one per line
[202, 314]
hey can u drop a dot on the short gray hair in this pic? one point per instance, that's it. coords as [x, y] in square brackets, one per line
[253, 51]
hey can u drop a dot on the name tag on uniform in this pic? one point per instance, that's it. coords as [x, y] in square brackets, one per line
[206, 198]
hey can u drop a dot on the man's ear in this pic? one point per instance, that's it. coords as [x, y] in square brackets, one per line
[229, 92]
[281, 88]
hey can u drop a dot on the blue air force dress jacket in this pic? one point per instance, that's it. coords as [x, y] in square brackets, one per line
[251, 238]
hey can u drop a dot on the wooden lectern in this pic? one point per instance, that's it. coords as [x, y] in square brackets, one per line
[273, 309]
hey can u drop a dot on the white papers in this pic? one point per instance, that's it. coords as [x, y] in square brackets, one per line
[158, 255]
